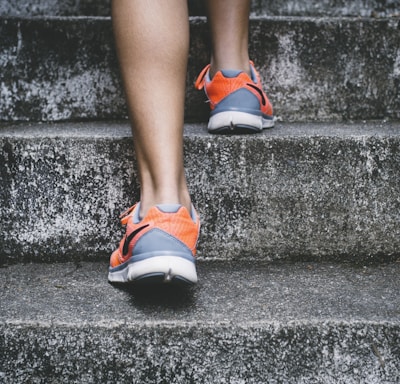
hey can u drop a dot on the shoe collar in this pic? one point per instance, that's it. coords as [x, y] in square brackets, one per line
[204, 76]
[134, 212]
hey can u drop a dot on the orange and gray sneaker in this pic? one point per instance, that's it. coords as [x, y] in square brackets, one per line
[237, 101]
[161, 247]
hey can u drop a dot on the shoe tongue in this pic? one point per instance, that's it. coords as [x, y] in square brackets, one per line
[169, 208]
[231, 73]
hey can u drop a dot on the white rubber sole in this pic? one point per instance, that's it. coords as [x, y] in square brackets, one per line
[166, 268]
[231, 120]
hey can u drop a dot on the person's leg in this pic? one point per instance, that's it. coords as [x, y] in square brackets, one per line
[229, 26]
[232, 85]
[152, 39]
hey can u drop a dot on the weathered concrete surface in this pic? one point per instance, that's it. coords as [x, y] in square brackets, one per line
[29, 8]
[196, 7]
[313, 69]
[300, 323]
[299, 191]
[330, 69]
[364, 8]
[58, 70]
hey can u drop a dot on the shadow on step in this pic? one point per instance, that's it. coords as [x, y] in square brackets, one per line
[162, 296]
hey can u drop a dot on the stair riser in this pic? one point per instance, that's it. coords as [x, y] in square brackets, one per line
[310, 198]
[313, 70]
[31, 8]
[291, 353]
[325, 7]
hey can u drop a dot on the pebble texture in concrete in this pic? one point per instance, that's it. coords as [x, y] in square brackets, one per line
[292, 323]
[299, 191]
[58, 70]
[313, 69]
[29, 8]
[363, 8]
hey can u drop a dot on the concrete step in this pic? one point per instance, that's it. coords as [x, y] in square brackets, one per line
[244, 323]
[340, 8]
[328, 69]
[296, 192]
[367, 8]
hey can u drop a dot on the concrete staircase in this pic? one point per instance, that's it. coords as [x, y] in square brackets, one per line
[299, 251]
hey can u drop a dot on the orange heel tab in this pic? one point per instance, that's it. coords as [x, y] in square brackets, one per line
[124, 216]
[199, 83]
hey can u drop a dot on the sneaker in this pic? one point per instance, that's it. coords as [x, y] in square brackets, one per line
[238, 103]
[161, 247]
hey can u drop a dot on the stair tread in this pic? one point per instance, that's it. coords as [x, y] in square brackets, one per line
[238, 294]
[121, 129]
[253, 323]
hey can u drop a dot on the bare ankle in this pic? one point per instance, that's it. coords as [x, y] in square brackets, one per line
[146, 203]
